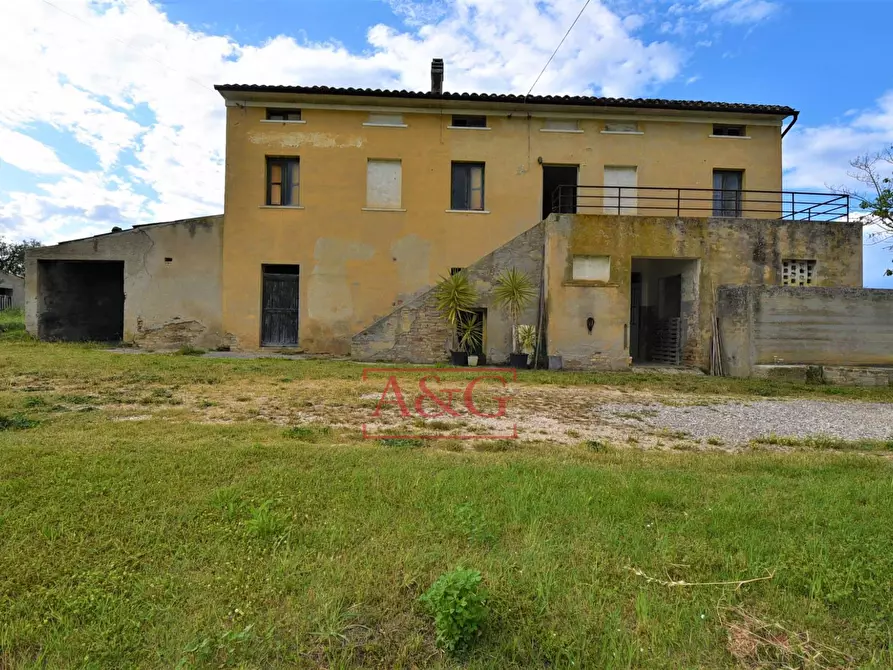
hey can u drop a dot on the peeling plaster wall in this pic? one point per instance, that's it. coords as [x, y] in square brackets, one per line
[167, 304]
[728, 252]
[768, 325]
[400, 254]
[416, 333]
[17, 284]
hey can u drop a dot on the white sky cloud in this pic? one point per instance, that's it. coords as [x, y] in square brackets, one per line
[28, 154]
[819, 157]
[135, 89]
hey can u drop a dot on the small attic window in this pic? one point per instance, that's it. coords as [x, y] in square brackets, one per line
[621, 127]
[562, 125]
[725, 130]
[378, 119]
[468, 121]
[283, 114]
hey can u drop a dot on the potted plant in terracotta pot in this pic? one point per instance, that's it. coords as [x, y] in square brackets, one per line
[513, 293]
[455, 298]
[471, 336]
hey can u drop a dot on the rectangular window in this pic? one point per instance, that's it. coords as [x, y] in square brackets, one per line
[455, 271]
[591, 268]
[283, 114]
[377, 119]
[562, 125]
[620, 193]
[468, 121]
[621, 127]
[284, 181]
[797, 272]
[384, 184]
[725, 130]
[468, 186]
[727, 192]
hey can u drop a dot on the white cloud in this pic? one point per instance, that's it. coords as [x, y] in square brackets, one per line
[28, 154]
[818, 157]
[135, 88]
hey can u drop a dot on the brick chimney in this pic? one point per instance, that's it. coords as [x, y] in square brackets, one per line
[437, 75]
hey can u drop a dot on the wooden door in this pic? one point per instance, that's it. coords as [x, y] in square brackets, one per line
[280, 309]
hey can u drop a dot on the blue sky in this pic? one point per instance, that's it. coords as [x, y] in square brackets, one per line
[112, 120]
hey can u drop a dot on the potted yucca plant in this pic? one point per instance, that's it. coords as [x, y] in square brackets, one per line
[455, 299]
[513, 293]
[471, 336]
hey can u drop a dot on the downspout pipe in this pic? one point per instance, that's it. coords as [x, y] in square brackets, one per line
[790, 125]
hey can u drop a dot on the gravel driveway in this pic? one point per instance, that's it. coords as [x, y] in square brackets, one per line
[736, 423]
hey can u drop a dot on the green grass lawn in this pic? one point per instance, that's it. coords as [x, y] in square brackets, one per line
[169, 542]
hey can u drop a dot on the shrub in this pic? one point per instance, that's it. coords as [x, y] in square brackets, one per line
[16, 422]
[458, 604]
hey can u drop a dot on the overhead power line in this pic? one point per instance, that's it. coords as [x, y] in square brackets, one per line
[536, 81]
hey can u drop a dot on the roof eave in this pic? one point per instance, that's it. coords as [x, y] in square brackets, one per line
[366, 97]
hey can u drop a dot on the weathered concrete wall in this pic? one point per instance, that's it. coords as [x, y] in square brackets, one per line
[417, 333]
[358, 264]
[765, 325]
[727, 252]
[171, 280]
[17, 284]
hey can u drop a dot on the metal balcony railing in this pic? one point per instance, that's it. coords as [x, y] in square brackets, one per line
[701, 202]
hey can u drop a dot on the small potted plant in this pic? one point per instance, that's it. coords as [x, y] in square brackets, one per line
[471, 336]
[455, 298]
[527, 340]
[513, 293]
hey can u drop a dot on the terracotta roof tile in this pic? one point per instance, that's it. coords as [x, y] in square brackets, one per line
[579, 100]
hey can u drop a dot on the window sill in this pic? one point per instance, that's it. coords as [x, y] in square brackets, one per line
[467, 128]
[730, 137]
[467, 211]
[558, 130]
[589, 282]
[281, 207]
[279, 121]
[622, 132]
[386, 125]
[382, 209]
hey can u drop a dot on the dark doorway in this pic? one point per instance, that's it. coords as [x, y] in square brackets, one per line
[280, 306]
[80, 301]
[663, 304]
[555, 176]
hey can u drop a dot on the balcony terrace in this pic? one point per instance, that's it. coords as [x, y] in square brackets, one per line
[701, 202]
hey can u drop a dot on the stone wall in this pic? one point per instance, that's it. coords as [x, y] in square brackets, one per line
[774, 325]
[417, 333]
[171, 284]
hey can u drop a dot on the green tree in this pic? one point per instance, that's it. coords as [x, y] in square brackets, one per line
[876, 172]
[12, 255]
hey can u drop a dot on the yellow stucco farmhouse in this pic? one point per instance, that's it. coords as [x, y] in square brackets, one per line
[651, 230]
